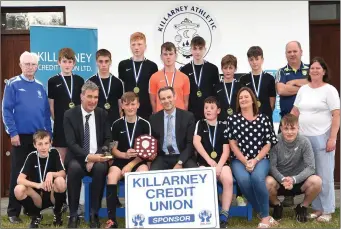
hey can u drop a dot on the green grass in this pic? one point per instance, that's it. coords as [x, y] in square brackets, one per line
[288, 221]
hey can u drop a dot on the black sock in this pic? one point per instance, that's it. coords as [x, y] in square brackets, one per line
[30, 207]
[59, 200]
[111, 201]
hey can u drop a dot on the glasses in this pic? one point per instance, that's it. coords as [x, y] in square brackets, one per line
[27, 65]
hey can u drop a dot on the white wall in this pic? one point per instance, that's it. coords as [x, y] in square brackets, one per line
[240, 25]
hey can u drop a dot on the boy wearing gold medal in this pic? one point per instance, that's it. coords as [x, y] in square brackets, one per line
[110, 87]
[41, 182]
[211, 142]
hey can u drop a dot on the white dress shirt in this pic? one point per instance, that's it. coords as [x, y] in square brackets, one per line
[92, 129]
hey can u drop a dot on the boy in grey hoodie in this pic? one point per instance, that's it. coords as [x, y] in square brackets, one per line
[292, 169]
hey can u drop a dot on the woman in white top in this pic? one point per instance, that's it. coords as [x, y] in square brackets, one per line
[317, 105]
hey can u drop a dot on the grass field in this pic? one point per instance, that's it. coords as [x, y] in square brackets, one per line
[288, 221]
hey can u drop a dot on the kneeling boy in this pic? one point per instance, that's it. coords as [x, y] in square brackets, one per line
[124, 132]
[211, 142]
[41, 182]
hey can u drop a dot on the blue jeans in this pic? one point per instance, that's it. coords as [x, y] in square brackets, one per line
[252, 185]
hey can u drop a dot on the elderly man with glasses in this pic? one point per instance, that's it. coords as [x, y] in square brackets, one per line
[25, 110]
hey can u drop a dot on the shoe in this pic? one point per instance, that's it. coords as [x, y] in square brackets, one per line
[223, 224]
[118, 203]
[301, 213]
[324, 218]
[111, 224]
[57, 219]
[94, 222]
[35, 220]
[288, 201]
[240, 201]
[278, 212]
[14, 219]
[73, 222]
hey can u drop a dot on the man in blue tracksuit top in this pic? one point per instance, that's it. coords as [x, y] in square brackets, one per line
[25, 110]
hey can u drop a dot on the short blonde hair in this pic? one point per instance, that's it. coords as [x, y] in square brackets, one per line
[29, 54]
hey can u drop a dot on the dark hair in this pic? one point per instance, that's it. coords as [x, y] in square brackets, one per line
[229, 60]
[254, 51]
[129, 97]
[103, 52]
[325, 67]
[165, 89]
[67, 53]
[198, 41]
[289, 119]
[212, 99]
[41, 134]
[168, 46]
[254, 100]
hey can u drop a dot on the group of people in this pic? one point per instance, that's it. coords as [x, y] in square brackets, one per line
[196, 118]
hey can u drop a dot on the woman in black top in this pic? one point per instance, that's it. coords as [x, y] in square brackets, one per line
[251, 137]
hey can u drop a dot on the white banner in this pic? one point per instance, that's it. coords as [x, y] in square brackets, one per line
[172, 198]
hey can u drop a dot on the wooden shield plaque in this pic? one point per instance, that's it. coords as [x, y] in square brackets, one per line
[146, 147]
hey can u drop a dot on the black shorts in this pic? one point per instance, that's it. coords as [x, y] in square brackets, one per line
[204, 163]
[121, 163]
[45, 197]
[296, 190]
[59, 137]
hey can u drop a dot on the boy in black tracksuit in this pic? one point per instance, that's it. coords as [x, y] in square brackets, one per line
[41, 182]
[124, 132]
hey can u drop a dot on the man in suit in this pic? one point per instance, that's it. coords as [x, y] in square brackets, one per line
[174, 130]
[87, 130]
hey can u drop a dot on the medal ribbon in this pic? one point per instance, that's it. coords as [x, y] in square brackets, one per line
[138, 74]
[229, 97]
[173, 78]
[109, 87]
[69, 91]
[47, 161]
[212, 141]
[130, 140]
[195, 74]
[254, 85]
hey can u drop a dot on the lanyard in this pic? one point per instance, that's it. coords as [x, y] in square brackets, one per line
[130, 140]
[212, 141]
[109, 87]
[254, 85]
[197, 82]
[229, 97]
[69, 91]
[173, 78]
[47, 161]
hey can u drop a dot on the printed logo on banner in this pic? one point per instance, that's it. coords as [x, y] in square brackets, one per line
[205, 216]
[138, 220]
[276, 117]
[181, 23]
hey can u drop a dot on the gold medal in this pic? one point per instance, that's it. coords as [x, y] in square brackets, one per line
[230, 111]
[259, 103]
[71, 105]
[136, 90]
[214, 154]
[107, 106]
[199, 94]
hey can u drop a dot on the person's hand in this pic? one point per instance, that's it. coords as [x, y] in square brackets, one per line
[250, 165]
[126, 169]
[40, 186]
[131, 153]
[288, 182]
[15, 140]
[331, 145]
[218, 169]
[177, 166]
[291, 82]
[48, 182]
[212, 162]
[89, 166]
[97, 158]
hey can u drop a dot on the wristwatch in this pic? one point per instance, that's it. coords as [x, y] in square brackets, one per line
[180, 162]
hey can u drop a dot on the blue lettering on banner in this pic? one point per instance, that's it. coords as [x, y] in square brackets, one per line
[171, 219]
[169, 181]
